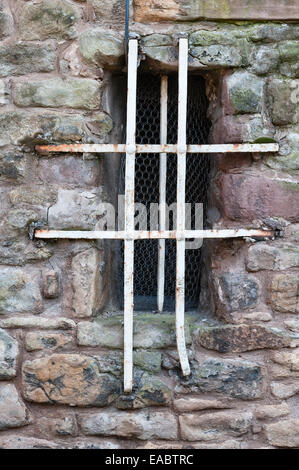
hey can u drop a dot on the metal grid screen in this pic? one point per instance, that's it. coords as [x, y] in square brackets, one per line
[147, 189]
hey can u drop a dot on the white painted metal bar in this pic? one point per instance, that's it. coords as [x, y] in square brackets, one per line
[181, 190]
[129, 216]
[162, 191]
[156, 148]
[149, 235]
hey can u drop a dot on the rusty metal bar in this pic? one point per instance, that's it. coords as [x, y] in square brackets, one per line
[165, 148]
[150, 235]
[181, 192]
[162, 192]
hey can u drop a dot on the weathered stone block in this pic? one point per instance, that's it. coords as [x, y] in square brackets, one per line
[101, 49]
[150, 391]
[163, 56]
[290, 70]
[68, 379]
[19, 292]
[112, 362]
[292, 325]
[66, 426]
[240, 129]
[279, 372]
[289, 161]
[197, 404]
[73, 170]
[288, 51]
[150, 331]
[8, 356]
[59, 128]
[260, 197]
[289, 57]
[101, 444]
[139, 425]
[238, 379]
[217, 55]
[100, 124]
[33, 195]
[51, 284]
[268, 257]
[12, 132]
[4, 93]
[283, 101]
[157, 40]
[20, 442]
[243, 93]
[272, 32]
[283, 391]
[236, 291]
[36, 341]
[264, 59]
[13, 413]
[55, 93]
[283, 433]
[12, 164]
[189, 10]
[196, 427]
[76, 210]
[24, 58]
[272, 411]
[20, 251]
[21, 127]
[288, 359]
[38, 322]
[241, 338]
[20, 219]
[284, 293]
[251, 317]
[48, 19]
[109, 10]
[88, 283]
[156, 11]
[228, 444]
[148, 360]
[6, 21]
[223, 36]
[171, 359]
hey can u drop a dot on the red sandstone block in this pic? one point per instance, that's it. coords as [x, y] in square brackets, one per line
[228, 129]
[239, 129]
[248, 197]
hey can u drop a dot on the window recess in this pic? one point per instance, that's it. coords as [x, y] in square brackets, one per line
[180, 234]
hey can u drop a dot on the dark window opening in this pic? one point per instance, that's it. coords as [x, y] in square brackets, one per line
[147, 188]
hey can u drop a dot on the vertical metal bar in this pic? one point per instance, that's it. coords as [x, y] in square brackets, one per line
[129, 217]
[162, 190]
[181, 190]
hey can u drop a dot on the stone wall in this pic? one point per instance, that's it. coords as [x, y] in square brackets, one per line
[60, 344]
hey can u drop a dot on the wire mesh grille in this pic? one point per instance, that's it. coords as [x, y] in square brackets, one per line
[147, 188]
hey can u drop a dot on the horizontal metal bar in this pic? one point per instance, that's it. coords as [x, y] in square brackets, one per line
[147, 148]
[146, 235]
